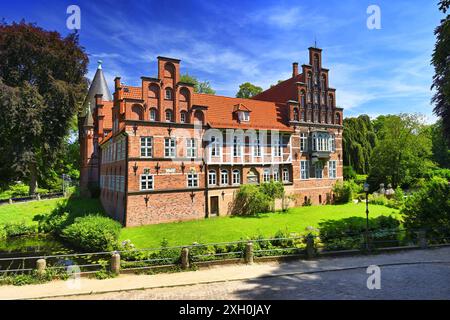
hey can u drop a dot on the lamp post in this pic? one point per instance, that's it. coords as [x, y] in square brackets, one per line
[366, 190]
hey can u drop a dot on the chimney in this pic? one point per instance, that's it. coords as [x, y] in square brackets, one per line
[294, 69]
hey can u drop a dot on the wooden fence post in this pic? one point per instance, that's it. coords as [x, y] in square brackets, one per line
[185, 258]
[115, 263]
[248, 252]
[310, 251]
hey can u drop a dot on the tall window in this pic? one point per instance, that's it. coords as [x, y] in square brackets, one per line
[153, 114]
[212, 181]
[266, 175]
[276, 145]
[236, 177]
[183, 116]
[304, 169]
[302, 99]
[168, 115]
[322, 82]
[318, 168]
[146, 181]
[191, 148]
[215, 147]
[192, 180]
[303, 116]
[303, 141]
[276, 175]
[296, 118]
[332, 172]
[257, 147]
[169, 147]
[237, 146]
[285, 175]
[168, 94]
[146, 147]
[316, 98]
[224, 177]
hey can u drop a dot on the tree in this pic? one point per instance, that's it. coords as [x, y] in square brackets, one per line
[441, 151]
[403, 152]
[441, 62]
[199, 87]
[359, 139]
[42, 84]
[248, 90]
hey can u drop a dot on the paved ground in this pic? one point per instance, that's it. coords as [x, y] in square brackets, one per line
[414, 274]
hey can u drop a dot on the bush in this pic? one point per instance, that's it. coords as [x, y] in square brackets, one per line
[93, 233]
[349, 173]
[348, 233]
[273, 189]
[3, 234]
[18, 229]
[429, 208]
[343, 192]
[250, 201]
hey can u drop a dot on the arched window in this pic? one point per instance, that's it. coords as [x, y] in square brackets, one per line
[183, 116]
[236, 177]
[316, 63]
[137, 112]
[184, 95]
[303, 116]
[338, 118]
[296, 118]
[302, 99]
[253, 176]
[224, 177]
[152, 114]
[168, 94]
[169, 70]
[316, 98]
[330, 101]
[323, 82]
[153, 91]
[309, 80]
[212, 181]
[285, 175]
[169, 116]
[198, 117]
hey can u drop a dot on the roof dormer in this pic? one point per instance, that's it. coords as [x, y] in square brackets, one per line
[243, 113]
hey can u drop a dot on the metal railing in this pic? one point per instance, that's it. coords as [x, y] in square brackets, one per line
[246, 251]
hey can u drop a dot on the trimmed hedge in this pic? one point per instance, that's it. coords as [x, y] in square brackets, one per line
[93, 233]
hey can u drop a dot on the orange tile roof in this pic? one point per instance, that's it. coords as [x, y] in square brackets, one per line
[264, 114]
[133, 92]
[107, 112]
[281, 92]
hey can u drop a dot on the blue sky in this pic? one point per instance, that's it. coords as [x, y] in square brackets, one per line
[231, 42]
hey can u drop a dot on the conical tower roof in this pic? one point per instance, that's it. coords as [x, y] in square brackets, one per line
[98, 86]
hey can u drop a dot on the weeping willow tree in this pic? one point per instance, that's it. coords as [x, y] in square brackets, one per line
[359, 139]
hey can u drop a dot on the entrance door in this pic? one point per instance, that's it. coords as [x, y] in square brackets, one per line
[214, 207]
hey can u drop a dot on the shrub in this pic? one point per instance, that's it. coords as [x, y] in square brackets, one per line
[250, 200]
[273, 189]
[348, 233]
[349, 173]
[92, 233]
[429, 208]
[3, 234]
[342, 192]
[18, 229]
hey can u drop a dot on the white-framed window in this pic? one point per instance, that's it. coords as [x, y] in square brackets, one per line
[237, 146]
[303, 141]
[152, 114]
[146, 147]
[215, 147]
[168, 94]
[318, 168]
[169, 147]
[304, 169]
[183, 117]
[191, 148]
[276, 145]
[266, 175]
[285, 175]
[168, 115]
[212, 181]
[332, 169]
[244, 116]
[224, 177]
[146, 182]
[192, 180]
[257, 147]
[276, 175]
[236, 177]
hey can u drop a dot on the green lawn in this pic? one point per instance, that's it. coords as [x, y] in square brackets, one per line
[223, 229]
[27, 211]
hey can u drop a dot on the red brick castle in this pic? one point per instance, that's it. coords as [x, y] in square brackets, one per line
[161, 152]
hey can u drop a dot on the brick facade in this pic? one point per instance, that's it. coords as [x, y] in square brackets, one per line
[170, 154]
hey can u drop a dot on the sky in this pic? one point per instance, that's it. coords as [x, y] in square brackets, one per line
[374, 71]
